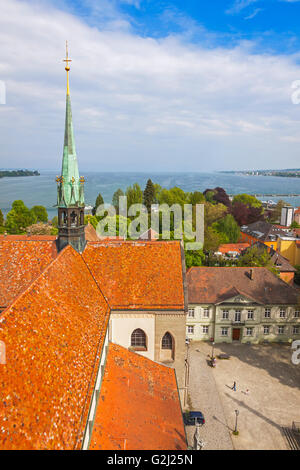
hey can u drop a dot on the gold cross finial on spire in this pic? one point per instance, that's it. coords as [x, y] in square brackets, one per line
[67, 60]
[67, 68]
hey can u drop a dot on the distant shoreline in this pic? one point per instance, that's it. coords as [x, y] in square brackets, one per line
[288, 173]
[17, 173]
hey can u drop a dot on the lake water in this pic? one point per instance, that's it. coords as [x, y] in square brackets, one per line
[41, 190]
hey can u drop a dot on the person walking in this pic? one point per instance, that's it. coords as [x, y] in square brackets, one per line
[234, 387]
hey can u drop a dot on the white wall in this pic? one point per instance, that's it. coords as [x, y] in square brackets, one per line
[122, 326]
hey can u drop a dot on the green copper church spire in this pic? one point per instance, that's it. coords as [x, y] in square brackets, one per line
[70, 192]
[70, 186]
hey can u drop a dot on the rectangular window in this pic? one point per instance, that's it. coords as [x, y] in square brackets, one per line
[266, 330]
[249, 331]
[297, 314]
[237, 316]
[281, 330]
[191, 312]
[224, 331]
[190, 329]
[296, 330]
[250, 314]
[225, 314]
[267, 313]
[282, 313]
[205, 330]
[206, 312]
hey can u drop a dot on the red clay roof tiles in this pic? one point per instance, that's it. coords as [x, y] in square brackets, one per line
[22, 259]
[53, 334]
[138, 275]
[232, 247]
[130, 382]
[216, 284]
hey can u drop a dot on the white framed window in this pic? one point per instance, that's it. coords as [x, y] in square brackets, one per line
[191, 312]
[282, 312]
[224, 331]
[296, 330]
[281, 330]
[250, 314]
[297, 313]
[225, 314]
[266, 330]
[190, 329]
[237, 316]
[205, 330]
[249, 331]
[267, 312]
[206, 313]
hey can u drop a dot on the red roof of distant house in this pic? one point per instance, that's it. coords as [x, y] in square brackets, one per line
[90, 233]
[233, 247]
[138, 275]
[22, 259]
[150, 234]
[215, 284]
[53, 333]
[131, 380]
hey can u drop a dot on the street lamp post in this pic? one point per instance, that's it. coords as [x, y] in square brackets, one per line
[236, 420]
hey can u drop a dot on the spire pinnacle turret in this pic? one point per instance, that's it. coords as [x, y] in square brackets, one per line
[70, 187]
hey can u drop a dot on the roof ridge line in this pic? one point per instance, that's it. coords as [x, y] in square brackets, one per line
[32, 282]
[90, 271]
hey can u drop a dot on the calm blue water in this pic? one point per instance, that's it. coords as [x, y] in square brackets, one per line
[35, 190]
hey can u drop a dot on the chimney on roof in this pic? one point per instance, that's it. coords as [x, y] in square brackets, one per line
[251, 274]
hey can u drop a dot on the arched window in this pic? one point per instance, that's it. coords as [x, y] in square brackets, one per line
[138, 339]
[73, 219]
[167, 341]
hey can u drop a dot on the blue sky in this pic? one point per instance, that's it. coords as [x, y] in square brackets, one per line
[274, 24]
[155, 85]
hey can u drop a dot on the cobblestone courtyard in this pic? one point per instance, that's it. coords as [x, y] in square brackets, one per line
[273, 400]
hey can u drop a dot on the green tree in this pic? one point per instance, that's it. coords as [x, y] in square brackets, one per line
[157, 191]
[213, 213]
[294, 224]
[40, 213]
[19, 218]
[54, 221]
[1, 218]
[99, 202]
[248, 200]
[196, 198]
[134, 195]
[149, 195]
[173, 196]
[209, 196]
[115, 199]
[194, 258]
[254, 256]
[212, 239]
[228, 227]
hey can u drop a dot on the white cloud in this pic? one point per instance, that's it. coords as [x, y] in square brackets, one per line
[140, 103]
[239, 5]
[253, 14]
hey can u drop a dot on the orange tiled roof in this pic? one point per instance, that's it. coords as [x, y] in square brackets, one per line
[235, 247]
[130, 382]
[138, 275]
[54, 333]
[22, 259]
[90, 233]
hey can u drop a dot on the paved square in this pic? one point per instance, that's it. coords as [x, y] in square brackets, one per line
[273, 400]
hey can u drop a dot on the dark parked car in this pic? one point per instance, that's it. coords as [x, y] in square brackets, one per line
[190, 418]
